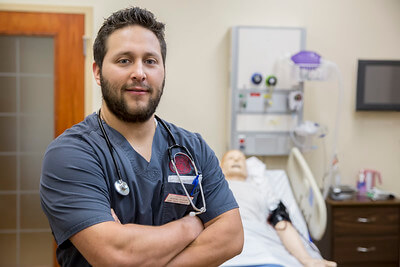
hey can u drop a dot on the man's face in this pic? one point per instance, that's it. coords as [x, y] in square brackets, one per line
[132, 75]
[234, 165]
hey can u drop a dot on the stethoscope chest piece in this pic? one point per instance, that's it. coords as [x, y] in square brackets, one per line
[121, 187]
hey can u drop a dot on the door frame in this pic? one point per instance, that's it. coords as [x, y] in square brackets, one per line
[68, 31]
[90, 98]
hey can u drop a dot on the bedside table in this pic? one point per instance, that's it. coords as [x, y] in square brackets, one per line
[362, 232]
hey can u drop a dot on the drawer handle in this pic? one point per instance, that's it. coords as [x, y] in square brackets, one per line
[365, 250]
[366, 220]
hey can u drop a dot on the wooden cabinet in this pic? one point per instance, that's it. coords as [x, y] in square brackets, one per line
[362, 232]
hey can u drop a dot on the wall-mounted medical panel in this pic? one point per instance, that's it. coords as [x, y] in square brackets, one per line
[261, 85]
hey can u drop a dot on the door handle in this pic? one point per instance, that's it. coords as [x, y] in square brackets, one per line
[366, 220]
[365, 250]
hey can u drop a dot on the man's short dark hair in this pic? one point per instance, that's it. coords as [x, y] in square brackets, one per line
[127, 17]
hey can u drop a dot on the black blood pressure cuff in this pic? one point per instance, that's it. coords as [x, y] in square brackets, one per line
[280, 213]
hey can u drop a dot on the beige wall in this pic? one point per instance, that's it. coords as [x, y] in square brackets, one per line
[198, 69]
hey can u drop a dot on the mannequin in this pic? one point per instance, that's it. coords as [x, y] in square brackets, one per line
[233, 165]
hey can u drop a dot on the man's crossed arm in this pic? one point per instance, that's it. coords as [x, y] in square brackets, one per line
[182, 242]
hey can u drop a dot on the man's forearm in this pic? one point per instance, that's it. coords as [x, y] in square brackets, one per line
[221, 240]
[113, 244]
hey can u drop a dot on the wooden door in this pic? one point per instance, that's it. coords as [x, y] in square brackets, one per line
[66, 32]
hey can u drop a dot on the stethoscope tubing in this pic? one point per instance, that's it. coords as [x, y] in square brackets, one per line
[122, 187]
[198, 210]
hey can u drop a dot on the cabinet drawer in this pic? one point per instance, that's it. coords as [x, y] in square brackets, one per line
[371, 264]
[366, 249]
[366, 220]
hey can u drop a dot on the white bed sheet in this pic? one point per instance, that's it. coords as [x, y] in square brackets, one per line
[262, 244]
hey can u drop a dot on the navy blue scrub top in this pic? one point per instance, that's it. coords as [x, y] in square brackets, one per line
[78, 175]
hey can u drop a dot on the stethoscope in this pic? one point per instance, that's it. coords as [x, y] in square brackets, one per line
[122, 187]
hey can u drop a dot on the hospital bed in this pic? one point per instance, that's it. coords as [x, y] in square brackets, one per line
[297, 189]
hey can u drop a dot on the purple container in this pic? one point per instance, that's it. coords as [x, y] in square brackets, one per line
[306, 59]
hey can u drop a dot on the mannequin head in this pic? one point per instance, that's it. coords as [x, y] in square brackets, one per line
[233, 165]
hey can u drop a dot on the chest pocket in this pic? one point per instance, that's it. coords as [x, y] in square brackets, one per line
[175, 202]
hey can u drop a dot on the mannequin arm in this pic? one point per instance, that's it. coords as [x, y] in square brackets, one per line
[292, 241]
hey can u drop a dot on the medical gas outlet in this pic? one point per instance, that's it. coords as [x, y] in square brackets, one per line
[270, 82]
[256, 78]
[295, 100]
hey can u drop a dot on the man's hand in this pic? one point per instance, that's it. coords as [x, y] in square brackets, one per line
[221, 240]
[194, 223]
[115, 216]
